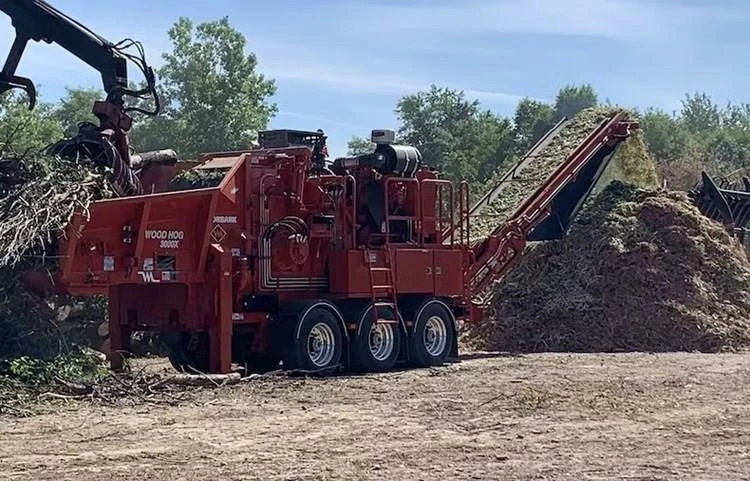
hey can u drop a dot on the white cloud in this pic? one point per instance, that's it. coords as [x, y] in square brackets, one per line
[336, 76]
[333, 75]
[619, 19]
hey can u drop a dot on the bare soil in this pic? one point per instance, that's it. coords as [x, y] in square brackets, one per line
[546, 416]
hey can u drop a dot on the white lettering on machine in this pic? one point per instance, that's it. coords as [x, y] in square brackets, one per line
[225, 219]
[170, 239]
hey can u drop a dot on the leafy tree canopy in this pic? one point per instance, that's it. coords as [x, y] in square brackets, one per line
[214, 99]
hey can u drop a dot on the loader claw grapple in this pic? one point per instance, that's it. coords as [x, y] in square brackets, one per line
[364, 262]
[723, 201]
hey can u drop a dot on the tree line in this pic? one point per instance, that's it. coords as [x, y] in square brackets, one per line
[215, 98]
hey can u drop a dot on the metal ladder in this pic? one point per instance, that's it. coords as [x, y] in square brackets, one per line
[386, 291]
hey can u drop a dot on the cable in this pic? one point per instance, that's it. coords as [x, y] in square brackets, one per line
[139, 60]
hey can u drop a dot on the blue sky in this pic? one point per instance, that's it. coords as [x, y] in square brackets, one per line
[343, 67]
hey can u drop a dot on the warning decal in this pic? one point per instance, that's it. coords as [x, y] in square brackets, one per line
[218, 233]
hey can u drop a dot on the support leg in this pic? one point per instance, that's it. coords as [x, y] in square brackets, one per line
[119, 337]
[221, 330]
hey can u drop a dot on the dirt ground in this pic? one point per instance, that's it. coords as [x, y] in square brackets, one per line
[577, 417]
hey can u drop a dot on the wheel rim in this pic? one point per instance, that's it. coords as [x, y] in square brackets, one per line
[321, 344]
[382, 341]
[435, 336]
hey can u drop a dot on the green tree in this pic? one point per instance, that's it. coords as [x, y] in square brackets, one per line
[532, 119]
[454, 134]
[495, 145]
[572, 99]
[728, 150]
[213, 97]
[76, 107]
[700, 113]
[664, 134]
[359, 146]
[736, 116]
[23, 130]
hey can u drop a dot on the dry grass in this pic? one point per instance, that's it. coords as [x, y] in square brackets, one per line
[549, 416]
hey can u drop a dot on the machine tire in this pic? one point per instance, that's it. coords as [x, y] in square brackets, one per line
[187, 358]
[432, 339]
[363, 357]
[317, 345]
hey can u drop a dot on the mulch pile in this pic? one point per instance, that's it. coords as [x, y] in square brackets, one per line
[641, 270]
[631, 161]
[520, 186]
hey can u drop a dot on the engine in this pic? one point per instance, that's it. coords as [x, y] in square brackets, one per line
[388, 159]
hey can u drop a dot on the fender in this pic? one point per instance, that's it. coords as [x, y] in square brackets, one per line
[399, 317]
[301, 309]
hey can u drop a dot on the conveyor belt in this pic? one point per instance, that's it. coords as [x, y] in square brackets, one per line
[516, 172]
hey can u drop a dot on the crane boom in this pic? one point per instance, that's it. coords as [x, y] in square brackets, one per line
[39, 21]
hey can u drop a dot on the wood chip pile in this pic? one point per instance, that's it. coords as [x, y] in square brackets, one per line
[641, 270]
[540, 168]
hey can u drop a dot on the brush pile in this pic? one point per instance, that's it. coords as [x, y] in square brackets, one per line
[38, 196]
[197, 179]
[48, 192]
[30, 386]
[641, 270]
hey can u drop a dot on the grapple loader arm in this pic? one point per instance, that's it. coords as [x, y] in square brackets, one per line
[41, 22]
[720, 201]
[106, 144]
[548, 212]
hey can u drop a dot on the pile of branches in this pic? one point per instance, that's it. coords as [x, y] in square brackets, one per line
[30, 386]
[641, 270]
[197, 179]
[40, 198]
[39, 194]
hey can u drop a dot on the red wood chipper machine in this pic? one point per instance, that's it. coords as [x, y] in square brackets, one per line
[363, 263]
[292, 261]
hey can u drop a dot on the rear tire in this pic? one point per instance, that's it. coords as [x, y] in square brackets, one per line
[433, 335]
[317, 343]
[376, 346]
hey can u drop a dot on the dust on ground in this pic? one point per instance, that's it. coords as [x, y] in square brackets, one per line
[545, 416]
